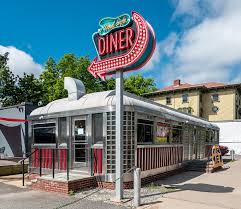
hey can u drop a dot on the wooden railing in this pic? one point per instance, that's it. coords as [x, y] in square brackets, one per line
[156, 156]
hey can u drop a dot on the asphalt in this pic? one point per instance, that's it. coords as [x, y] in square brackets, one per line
[14, 196]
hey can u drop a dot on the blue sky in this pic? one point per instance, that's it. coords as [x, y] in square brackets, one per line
[197, 40]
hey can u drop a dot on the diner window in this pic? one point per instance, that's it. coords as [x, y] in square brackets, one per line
[208, 138]
[144, 131]
[62, 141]
[162, 133]
[215, 98]
[185, 98]
[44, 133]
[177, 135]
[168, 100]
[97, 124]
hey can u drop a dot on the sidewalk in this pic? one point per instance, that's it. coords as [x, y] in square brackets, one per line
[204, 191]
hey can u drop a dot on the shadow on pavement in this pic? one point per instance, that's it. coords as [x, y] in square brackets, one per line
[179, 178]
[204, 188]
[151, 203]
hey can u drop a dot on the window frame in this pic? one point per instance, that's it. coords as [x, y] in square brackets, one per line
[168, 98]
[149, 123]
[46, 125]
[213, 96]
[187, 98]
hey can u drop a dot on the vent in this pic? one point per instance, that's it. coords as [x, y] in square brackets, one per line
[75, 88]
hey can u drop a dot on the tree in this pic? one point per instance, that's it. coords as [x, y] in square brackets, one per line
[139, 85]
[135, 84]
[29, 89]
[48, 79]
[69, 66]
[8, 89]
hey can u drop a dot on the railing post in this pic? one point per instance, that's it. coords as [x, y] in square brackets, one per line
[53, 163]
[40, 162]
[23, 170]
[67, 167]
[137, 187]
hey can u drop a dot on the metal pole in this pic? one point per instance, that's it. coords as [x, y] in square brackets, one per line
[53, 163]
[67, 158]
[119, 134]
[40, 162]
[23, 170]
[137, 187]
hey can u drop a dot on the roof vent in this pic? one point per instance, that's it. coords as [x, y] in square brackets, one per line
[75, 88]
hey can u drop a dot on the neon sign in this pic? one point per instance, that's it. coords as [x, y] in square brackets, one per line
[124, 42]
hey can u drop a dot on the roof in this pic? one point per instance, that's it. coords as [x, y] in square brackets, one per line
[188, 86]
[107, 98]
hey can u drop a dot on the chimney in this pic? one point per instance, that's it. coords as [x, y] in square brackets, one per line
[75, 88]
[177, 82]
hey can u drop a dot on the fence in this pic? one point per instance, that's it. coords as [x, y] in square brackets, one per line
[156, 156]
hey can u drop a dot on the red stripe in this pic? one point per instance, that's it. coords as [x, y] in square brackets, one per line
[13, 120]
[99, 155]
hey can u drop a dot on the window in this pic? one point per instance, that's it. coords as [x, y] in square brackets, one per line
[44, 133]
[97, 124]
[187, 110]
[177, 135]
[162, 133]
[63, 132]
[168, 100]
[215, 98]
[144, 131]
[184, 98]
[201, 112]
[215, 109]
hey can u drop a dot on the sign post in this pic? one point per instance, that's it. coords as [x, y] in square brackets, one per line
[123, 43]
[119, 134]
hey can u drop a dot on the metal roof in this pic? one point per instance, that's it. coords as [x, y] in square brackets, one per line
[107, 98]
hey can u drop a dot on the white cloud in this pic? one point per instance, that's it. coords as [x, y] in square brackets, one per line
[20, 62]
[211, 49]
[188, 7]
[163, 48]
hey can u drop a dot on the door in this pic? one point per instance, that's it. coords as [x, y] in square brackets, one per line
[80, 144]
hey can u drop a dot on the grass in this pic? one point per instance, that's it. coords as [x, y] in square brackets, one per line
[71, 193]
[161, 188]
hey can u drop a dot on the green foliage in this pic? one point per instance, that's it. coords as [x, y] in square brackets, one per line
[135, 84]
[50, 85]
[71, 193]
[69, 65]
[8, 90]
[139, 85]
[29, 89]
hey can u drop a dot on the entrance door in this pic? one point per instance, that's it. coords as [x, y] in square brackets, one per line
[80, 144]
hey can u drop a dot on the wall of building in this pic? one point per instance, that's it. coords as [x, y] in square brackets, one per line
[226, 105]
[230, 135]
[176, 101]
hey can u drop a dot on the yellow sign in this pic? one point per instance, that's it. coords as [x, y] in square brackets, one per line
[216, 157]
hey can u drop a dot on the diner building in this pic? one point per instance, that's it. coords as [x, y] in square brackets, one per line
[76, 135]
